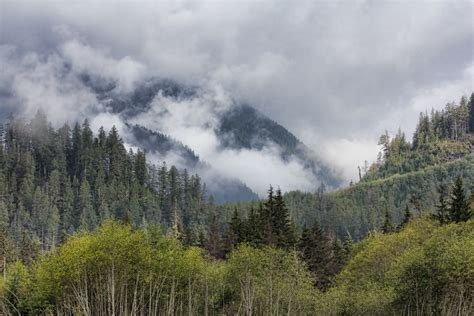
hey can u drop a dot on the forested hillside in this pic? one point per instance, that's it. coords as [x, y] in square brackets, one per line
[56, 182]
[406, 174]
[244, 127]
[236, 126]
[87, 228]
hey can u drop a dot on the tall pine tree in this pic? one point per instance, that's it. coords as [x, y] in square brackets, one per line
[387, 226]
[471, 113]
[459, 209]
[316, 251]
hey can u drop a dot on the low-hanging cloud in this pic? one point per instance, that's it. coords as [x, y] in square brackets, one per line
[331, 71]
[194, 121]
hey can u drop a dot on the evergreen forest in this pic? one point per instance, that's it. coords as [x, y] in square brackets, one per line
[91, 227]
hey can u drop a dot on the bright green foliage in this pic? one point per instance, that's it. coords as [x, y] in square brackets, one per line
[117, 270]
[17, 289]
[425, 269]
[269, 281]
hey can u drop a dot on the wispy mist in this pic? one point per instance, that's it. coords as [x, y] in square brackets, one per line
[332, 72]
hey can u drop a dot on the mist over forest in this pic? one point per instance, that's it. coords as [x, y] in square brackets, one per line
[236, 158]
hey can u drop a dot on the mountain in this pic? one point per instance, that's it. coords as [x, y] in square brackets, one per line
[145, 112]
[407, 174]
[238, 126]
[243, 126]
[223, 189]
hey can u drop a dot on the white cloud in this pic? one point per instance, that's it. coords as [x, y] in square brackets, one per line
[336, 73]
[85, 59]
[37, 83]
[193, 122]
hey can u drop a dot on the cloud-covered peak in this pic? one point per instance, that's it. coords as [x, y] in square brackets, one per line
[334, 72]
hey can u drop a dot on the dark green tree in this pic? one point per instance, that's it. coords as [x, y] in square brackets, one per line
[213, 244]
[459, 209]
[252, 227]
[87, 215]
[282, 224]
[316, 251]
[442, 208]
[471, 113]
[406, 218]
[387, 226]
[234, 233]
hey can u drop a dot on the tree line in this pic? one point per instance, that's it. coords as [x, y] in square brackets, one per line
[440, 136]
[54, 182]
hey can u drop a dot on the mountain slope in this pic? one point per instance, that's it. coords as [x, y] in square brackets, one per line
[236, 127]
[147, 113]
[245, 127]
[157, 144]
[405, 175]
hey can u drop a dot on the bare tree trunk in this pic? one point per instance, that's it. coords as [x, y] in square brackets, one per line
[113, 289]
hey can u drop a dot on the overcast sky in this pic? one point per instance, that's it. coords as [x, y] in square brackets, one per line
[335, 73]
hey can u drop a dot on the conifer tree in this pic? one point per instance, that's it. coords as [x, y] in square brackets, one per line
[65, 205]
[471, 113]
[282, 223]
[213, 244]
[189, 237]
[141, 172]
[8, 251]
[442, 208]
[339, 254]
[87, 215]
[387, 226]
[406, 218]
[86, 166]
[348, 245]
[459, 209]
[40, 210]
[252, 227]
[27, 181]
[163, 194]
[4, 212]
[234, 233]
[116, 154]
[29, 247]
[316, 251]
[267, 218]
[74, 156]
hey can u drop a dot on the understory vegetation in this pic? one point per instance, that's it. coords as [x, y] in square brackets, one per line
[424, 269]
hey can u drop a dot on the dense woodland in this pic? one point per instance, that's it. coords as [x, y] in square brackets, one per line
[56, 182]
[89, 228]
[407, 174]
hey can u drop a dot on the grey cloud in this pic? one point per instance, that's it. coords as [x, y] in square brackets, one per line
[331, 71]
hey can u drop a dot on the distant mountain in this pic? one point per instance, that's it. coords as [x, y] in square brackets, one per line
[245, 127]
[239, 127]
[161, 144]
[221, 188]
